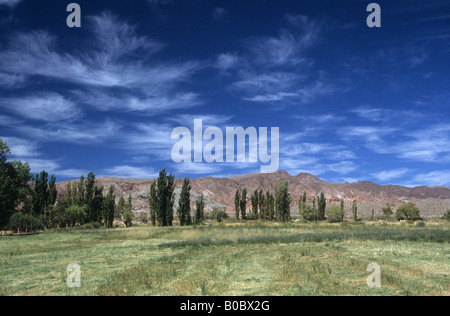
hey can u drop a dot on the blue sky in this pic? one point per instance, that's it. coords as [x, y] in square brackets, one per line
[352, 103]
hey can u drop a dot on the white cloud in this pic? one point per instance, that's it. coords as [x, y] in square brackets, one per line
[21, 147]
[130, 172]
[227, 61]
[434, 178]
[388, 175]
[105, 78]
[9, 81]
[85, 133]
[50, 107]
[149, 105]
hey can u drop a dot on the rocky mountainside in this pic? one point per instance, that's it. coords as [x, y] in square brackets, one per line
[219, 192]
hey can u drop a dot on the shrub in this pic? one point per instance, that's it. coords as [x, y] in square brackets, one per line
[335, 215]
[387, 212]
[308, 213]
[76, 215]
[94, 225]
[143, 217]
[421, 224]
[128, 218]
[408, 212]
[218, 215]
[21, 223]
[447, 216]
[252, 217]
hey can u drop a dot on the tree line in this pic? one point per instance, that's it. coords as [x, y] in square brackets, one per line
[29, 202]
[162, 201]
[270, 206]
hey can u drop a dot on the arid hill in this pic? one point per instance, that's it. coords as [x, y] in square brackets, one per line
[219, 192]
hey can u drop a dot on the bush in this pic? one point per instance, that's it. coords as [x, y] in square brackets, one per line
[387, 212]
[421, 224]
[143, 217]
[447, 216]
[252, 217]
[218, 215]
[21, 223]
[76, 215]
[335, 215]
[128, 218]
[308, 213]
[408, 212]
[94, 225]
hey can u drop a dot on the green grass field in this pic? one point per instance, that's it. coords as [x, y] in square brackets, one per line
[231, 259]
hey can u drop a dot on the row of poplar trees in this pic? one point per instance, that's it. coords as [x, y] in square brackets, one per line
[266, 206]
[162, 201]
[318, 212]
[85, 202]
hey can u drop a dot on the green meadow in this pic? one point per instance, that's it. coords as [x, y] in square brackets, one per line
[253, 258]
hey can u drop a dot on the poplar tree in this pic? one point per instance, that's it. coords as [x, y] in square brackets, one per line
[184, 204]
[81, 191]
[120, 209]
[68, 195]
[97, 205]
[165, 198]
[52, 192]
[261, 204]
[41, 197]
[255, 204]
[237, 204]
[243, 204]
[342, 205]
[110, 207]
[282, 202]
[270, 202]
[355, 211]
[321, 207]
[200, 211]
[153, 199]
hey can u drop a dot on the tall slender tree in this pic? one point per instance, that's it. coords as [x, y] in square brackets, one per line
[153, 199]
[184, 204]
[282, 202]
[237, 204]
[321, 207]
[200, 210]
[81, 191]
[270, 201]
[261, 204]
[255, 204]
[165, 198]
[41, 197]
[120, 209]
[110, 207]
[243, 204]
[355, 211]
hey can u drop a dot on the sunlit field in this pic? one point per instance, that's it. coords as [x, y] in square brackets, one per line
[231, 259]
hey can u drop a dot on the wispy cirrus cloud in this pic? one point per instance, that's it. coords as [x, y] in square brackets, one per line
[130, 172]
[117, 58]
[50, 107]
[388, 175]
[277, 69]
